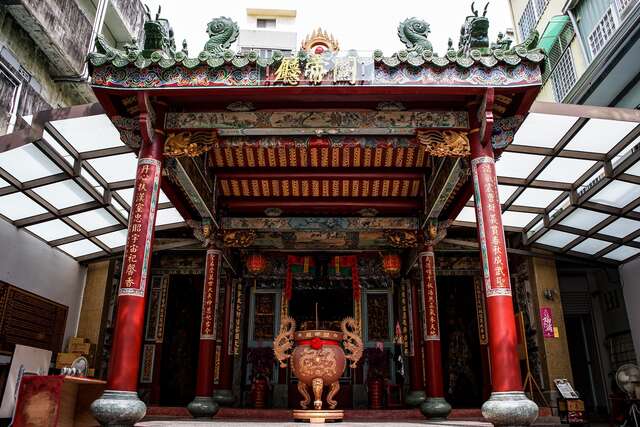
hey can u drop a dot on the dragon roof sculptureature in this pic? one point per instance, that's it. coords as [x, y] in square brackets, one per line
[159, 52]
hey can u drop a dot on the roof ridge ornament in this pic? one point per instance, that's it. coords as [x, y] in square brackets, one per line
[319, 41]
[222, 32]
[414, 33]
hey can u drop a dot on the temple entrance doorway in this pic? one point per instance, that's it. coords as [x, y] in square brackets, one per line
[181, 339]
[462, 360]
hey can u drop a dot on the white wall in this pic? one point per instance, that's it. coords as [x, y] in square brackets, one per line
[31, 264]
[630, 275]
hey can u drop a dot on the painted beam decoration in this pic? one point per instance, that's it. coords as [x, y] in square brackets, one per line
[475, 62]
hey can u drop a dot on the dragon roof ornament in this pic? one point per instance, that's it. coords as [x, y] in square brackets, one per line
[159, 48]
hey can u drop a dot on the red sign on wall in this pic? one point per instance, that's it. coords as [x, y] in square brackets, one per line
[546, 318]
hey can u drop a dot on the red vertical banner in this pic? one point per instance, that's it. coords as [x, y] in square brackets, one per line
[490, 230]
[431, 327]
[137, 252]
[210, 295]
[207, 347]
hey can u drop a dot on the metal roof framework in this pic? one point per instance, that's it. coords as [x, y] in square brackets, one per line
[67, 178]
[570, 182]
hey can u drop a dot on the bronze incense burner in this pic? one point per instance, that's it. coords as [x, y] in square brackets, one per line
[318, 358]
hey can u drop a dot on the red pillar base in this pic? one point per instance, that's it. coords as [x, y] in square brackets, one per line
[510, 408]
[435, 408]
[203, 407]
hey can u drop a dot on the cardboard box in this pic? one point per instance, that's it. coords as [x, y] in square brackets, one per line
[78, 340]
[82, 348]
[66, 359]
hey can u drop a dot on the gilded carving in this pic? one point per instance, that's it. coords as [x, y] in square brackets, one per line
[239, 238]
[444, 143]
[283, 343]
[189, 144]
[401, 238]
[351, 342]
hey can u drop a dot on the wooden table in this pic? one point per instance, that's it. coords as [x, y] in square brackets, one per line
[41, 397]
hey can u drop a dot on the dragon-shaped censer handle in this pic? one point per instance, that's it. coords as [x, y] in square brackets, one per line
[351, 341]
[283, 343]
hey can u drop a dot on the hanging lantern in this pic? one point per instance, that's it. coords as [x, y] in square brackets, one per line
[391, 264]
[256, 264]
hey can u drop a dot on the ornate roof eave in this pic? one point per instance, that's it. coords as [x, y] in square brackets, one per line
[478, 57]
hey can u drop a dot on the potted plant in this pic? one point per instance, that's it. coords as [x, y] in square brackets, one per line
[261, 359]
[377, 366]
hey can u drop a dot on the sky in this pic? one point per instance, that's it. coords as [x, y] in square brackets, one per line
[357, 24]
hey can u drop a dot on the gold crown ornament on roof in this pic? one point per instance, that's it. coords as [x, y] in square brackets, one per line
[320, 41]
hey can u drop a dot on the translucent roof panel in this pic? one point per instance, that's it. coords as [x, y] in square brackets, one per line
[76, 131]
[634, 169]
[116, 168]
[590, 246]
[506, 191]
[467, 214]
[537, 197]
[617, 194]
[562, 169]
[622, 253]
[114, 239]
[94, 219]
[64, 153]
[80, 248]
[17, 206]
[517, 219]
[517, 165]
[555, 128]
[558, 239]
[51, 230]
[599, 135]
[27, 162]
[583, 219]
[120, 208]
[168, 216]
[63, 194]
[621, 227]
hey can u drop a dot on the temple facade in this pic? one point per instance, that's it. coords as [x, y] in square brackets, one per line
[324, 230]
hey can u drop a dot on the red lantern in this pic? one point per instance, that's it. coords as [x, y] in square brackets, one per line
[256, 264]
[391, 264]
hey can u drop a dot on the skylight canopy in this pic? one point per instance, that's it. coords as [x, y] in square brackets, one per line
[64, 187]
[575, 171]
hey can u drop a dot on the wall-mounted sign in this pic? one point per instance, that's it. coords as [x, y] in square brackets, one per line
[546, 318]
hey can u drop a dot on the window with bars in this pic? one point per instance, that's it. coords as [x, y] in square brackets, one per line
[564, 76]
[266, 23]
[623, 5]
[531, 15]
[602, 32]
[527, 20]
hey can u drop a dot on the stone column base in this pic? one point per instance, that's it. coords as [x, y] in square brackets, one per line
[223, 397]
[435, 408]
[203, 406]
[510, 408]
[118, 408]
[415, 397]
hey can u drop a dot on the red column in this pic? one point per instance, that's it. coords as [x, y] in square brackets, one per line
[417, 393]
[507, 405]
[223, 393]
[505, 366]
[120, 404]
[203, 404]
[127, 339]
[435, 406]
